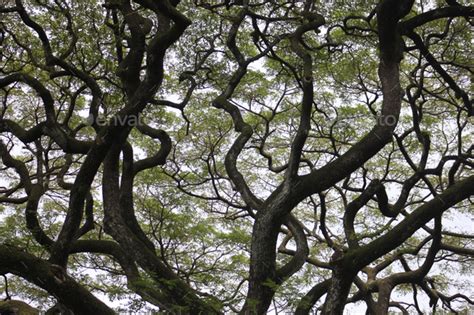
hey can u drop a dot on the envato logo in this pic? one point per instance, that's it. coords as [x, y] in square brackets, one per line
[346, 2]
[133, 120]
[116, 120]
[329, 2]
[386, 120]
[353, 2]
[382, 120]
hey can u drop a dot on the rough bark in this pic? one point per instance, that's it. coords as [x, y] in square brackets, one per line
[51, 278]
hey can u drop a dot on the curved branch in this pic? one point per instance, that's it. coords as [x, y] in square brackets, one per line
[458, 192]
[297, 145]
[180, 296]
[426, 17]
[67, 143]
[460, 93]
[306, 303]
[51, 278]
[159, 158]
[302, 250]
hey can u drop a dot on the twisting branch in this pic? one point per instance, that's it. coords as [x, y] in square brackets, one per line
[297, 145]
[7, 294]
[53, 279]
[302, 250]
[460, 93]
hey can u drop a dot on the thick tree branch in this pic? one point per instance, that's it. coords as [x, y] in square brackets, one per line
[51, 278]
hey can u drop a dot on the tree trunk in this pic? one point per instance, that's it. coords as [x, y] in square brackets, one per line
[339, 290]
[262, 281]
[383, 301]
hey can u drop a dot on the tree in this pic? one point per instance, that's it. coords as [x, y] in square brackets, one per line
[311, 154]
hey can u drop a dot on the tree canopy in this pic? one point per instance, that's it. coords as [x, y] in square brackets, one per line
[247, 156]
